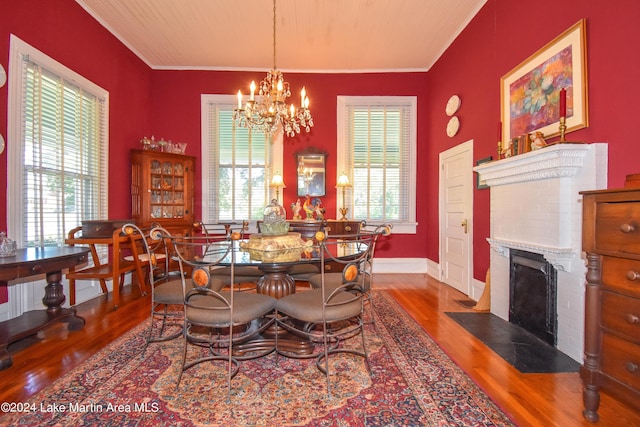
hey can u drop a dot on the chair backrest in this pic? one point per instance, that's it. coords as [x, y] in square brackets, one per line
[217, 229]
[200, 254]
[355, 252]
[150, 250]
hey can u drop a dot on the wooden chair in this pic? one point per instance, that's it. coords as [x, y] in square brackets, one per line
[113, 269]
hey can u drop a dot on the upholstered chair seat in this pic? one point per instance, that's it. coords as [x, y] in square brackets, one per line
[205, 310]
[171, 292]
[308, 306]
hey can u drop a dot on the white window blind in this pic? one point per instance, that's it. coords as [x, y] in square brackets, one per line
[236, 165]
[376, 149]
[62, 159]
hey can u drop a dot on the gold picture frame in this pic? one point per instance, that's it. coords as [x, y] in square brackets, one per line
[530, 93]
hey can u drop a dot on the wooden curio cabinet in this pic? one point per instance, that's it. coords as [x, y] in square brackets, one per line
[162, 190]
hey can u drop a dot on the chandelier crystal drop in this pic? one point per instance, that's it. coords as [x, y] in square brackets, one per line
[267, 110]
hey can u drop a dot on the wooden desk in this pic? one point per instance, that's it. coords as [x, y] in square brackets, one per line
[113, 269]
[31, 262]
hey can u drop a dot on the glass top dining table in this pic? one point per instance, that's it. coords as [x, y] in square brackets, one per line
[276, 263]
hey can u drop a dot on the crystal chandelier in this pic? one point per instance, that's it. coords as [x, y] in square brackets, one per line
[268, 110]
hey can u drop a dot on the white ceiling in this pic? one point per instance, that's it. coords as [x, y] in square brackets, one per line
[312, 35]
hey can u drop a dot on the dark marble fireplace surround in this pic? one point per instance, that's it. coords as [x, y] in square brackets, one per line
[533, 295]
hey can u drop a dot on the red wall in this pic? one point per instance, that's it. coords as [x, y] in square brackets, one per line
[501, 36]
[65, 32]
[176, 116]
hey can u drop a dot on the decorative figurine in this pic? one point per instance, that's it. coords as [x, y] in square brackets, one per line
[296, 208]
[308, 207]
[319, 210]
[538, 141]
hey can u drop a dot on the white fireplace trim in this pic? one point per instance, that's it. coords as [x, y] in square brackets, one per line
[536, 206]
[556, 161]
[561, 258]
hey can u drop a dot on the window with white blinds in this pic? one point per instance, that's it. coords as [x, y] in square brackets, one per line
[377, 150]
[236, 168]
[60, 161]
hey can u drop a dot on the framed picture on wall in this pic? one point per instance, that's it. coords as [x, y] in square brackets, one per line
[530, 93]
[311, 165]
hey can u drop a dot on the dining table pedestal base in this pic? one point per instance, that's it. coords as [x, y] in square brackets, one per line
[276, 281]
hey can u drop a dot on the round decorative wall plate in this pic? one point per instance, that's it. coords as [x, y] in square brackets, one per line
[2, 144]
[453, 126]
[453, 105]
[3, 76]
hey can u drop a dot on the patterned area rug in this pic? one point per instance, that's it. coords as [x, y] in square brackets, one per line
[413, 383]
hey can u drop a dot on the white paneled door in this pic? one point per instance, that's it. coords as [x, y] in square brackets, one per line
[456, 208]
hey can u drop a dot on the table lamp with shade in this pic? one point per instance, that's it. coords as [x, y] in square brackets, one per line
[343, 182]
[277, 182]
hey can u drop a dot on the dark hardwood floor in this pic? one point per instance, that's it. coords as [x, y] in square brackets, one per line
[528, 399]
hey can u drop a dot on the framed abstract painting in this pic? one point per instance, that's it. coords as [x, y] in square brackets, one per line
[530, 93]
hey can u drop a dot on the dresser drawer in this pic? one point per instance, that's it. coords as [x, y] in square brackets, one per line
[618, 227]
[621, 360]
[621, 275]
[621, 314]
[343, 227]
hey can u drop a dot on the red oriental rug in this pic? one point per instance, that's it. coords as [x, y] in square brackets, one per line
[413, 383]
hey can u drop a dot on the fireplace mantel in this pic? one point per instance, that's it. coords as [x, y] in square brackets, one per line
[536, 207]
[560, 258]
[553, 161]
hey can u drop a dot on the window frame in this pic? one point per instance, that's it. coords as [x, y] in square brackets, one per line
[344, 103]
[273, 165]
[15, 167]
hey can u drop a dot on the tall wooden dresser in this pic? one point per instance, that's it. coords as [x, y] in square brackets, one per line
[162, 190]
[611, 240]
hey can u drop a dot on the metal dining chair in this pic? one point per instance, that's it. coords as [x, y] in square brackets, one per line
[217, 319]
[327, 315]
[153, 248]
[363, 270]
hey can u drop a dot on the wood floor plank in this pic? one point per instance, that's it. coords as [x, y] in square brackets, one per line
[529, 399]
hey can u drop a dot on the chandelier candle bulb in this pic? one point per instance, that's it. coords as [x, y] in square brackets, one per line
[253, 90]
[239, 100]
[303, 95]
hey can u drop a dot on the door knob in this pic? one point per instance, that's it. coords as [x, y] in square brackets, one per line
[464, 224]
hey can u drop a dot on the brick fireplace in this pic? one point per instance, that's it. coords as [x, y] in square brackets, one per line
[536, 207]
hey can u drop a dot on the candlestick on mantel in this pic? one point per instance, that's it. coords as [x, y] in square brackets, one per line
[563, 102]
[563, 113]
[499, 140]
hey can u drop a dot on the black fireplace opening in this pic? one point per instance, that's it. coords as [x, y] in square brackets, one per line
[533, 295]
